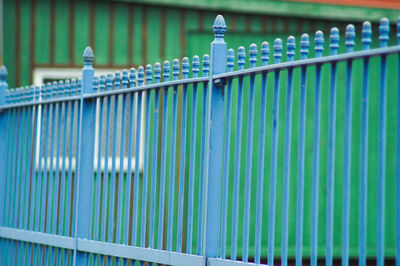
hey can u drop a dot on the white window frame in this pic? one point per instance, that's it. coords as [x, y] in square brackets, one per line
[41, 74]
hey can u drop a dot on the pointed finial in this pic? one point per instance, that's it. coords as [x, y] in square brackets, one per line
[3, 73]
[241, 54]
[36, 93]
[319, 43]
[291, 46]
[398, 30]
[125, 79]
[132, 77]
[334, 40]
[253, 55]
[219, 27]
[277, 50]
[366, 35]
[350, 35]
[117, 80]
[157, 72]
[175, 69]
[73, 87]
[55, 89]
[49, 89]
[109, 82]
[140, 77]
[195, 66]
[166, 71]
[3, 84]
[102, 83]
[88, 56]
[7, 96]
[304, 46]
[264, 53]
[149, 74]
[185, 67]
[384, 29]
[95, 84]
[206, 65]
[79, 86]
[230, 59]
[67, 88]
[61, 88]
[42, 93]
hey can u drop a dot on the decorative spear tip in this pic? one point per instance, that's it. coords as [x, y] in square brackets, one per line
[278, 44]
[3, 71]
[264, 45]
[219, 27]
[88, 55]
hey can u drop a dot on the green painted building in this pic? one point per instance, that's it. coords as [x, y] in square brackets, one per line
[45, 39]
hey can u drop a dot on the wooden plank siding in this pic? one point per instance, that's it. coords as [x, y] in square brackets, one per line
[54, 33]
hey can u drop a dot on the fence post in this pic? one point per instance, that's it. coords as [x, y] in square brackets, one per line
[215, 143]
[85, 157]
[3, 139]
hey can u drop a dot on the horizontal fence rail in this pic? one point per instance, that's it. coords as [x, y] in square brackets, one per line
[228, 159]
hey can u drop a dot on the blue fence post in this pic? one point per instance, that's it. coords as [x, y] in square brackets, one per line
[3, 138]
[85, 157]
[214, 153]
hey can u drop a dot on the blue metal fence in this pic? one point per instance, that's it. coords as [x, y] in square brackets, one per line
[105, 170]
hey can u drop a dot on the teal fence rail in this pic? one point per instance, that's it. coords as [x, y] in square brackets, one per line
[164, 165]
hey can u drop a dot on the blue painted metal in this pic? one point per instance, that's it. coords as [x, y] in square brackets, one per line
[192, 163]
[261, 153]
[227, 137]
[274, 154]
[383, 39]
[85, 159]
[291, 45]
[366, 40]
[241, 61]
[200, 221]
[350, 35]
[334, 45]
[319, 42]
[214, 154]
[304, 50]
[62, 209]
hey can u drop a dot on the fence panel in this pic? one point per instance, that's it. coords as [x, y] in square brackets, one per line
[133, 167]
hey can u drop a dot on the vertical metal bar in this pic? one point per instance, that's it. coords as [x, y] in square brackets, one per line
[383, 38]
[274, 153]
[85, 157]
[249, 157]
[160, 235]
[171, 198]
[200, 227]
[236, 175]
[192, 163]
[121, 176]
[137, 158]
[304, 44]
[128, 222]
[182, 159]
[143, 223]
[366, 40]
[291, 45]
[154, 172]
[112, 210]
[227, 135]
[319, 42]
[261, 154]
[334, 45]
[350, 34]
[214, 155]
